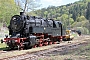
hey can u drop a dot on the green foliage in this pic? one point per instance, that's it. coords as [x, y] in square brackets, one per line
[88, 11]
[64, 19]
[2, 46]
[7, 9]
[31, 13]
[81, 18]
[71, 21]
[84, 24]
[75, 10]
[83, 30]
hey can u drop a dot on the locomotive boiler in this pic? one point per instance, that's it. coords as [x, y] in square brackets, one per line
[31, 31]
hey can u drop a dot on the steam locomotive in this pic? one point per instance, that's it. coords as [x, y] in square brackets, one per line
[31, 31]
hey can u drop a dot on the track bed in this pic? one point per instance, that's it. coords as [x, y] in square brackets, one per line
[45, 52]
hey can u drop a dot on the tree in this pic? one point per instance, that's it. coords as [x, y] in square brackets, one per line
[7, 10]
[27, 5]
[88, 11]
[46, 13]
[71, 21]
[64, 20]
[81, 18]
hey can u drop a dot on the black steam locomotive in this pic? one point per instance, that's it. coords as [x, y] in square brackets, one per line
[30, 31]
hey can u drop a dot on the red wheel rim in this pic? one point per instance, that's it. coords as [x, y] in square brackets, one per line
[54, 42]
[50, 43]
[40, 45]
[34, 46]
[46, 43]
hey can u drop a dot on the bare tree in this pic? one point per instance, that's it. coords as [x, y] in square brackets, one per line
[27, 5]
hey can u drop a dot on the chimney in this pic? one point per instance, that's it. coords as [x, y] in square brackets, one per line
[22, 13]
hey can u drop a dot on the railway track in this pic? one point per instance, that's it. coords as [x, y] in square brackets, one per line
[43, 53]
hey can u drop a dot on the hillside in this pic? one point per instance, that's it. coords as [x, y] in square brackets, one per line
[75, 13]
[74, 10]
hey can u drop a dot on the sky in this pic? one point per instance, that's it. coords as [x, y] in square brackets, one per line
[46, 3]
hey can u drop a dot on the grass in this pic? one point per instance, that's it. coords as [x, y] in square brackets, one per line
[2, 36]
[2, 46]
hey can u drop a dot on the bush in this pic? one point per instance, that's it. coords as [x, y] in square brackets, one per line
[83, 30]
